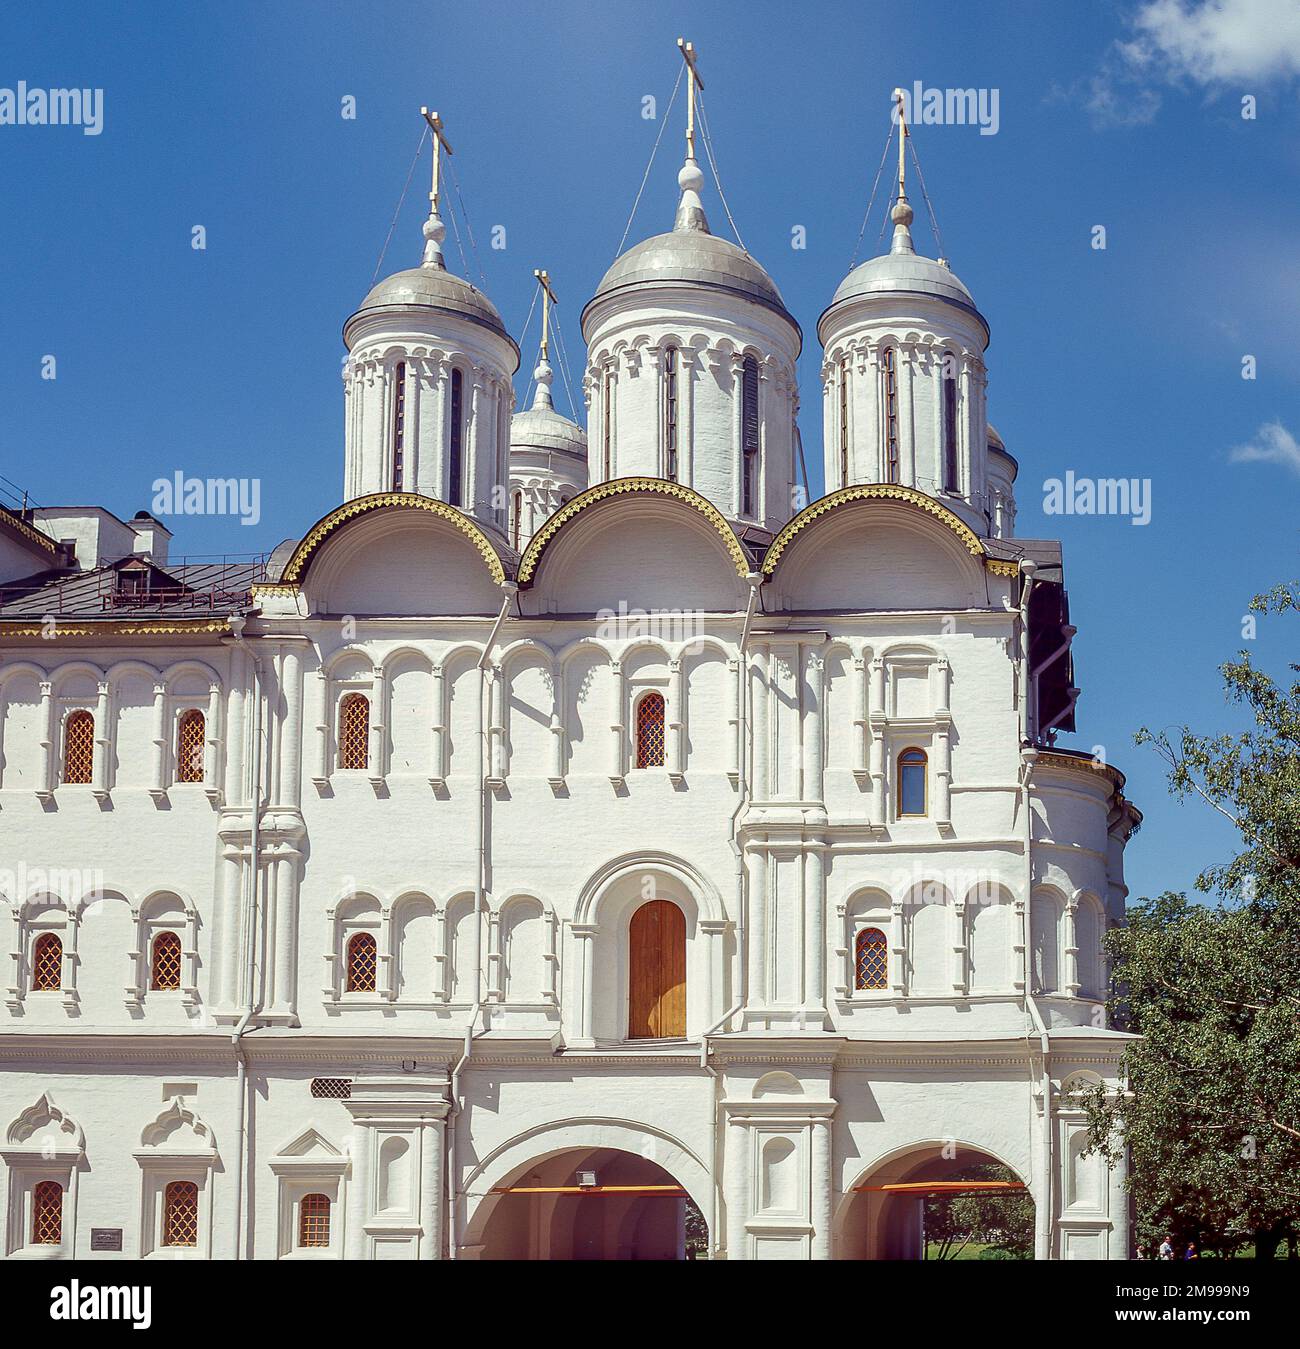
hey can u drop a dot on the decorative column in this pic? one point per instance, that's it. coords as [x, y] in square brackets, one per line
[291, 729]
[822, 1198]
[859, 716]
[495, 958]
[814, 950]
[676, 719]
[103, 742]
[897, 949]
[687, 364]
[496, 677]
[49, 741]
[158, 759]
[323, 716]
[586, 937]
[212, 744]
[737, 366]
[618, 726]
[235, 728]
[359, 1198]
[735, 1180]
[734, 695]
[907, 456]
[469, 469]
[814, 732]
[876, 716]
[432, 1202]
[943, 776]
[960, 967]
[1072, 984]
[375, 745]
[714, 996]
[438, 731]
[760, 734]
[1117, 1206]
[757, 936]
[1020, 947]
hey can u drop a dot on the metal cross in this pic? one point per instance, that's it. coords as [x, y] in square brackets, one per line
[440, 143]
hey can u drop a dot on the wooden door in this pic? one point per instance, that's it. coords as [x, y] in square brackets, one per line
[657, 972]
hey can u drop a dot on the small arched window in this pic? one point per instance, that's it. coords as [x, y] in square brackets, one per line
[650, 731]
[911, 782]
[749, 437]
[189, 746]
[78, 746]
[181, 1214]
[456, 466]
[363, 963]
[399, 423]
[314, 1220]
[871, 959]
[354, 731]
[889, 409]
[47, 1213]
[671, 359]
[165, 962]
[948, 379]
[47, 963]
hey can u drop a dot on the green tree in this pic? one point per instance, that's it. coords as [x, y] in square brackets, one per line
[1212, 1111]
[1001, 1221]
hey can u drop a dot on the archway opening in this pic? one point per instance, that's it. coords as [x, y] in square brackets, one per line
[939, 1202]
[593, 1204]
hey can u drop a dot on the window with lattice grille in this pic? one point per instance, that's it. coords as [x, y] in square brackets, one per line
[47, 963]
[181, 1214]
[871, 959]
[189, 747]
[314, 1220]
[165, 964]
[331, 1088]
[650, 731]
[363, 963]
[78, 746]
[354, 731]
[47, 1213]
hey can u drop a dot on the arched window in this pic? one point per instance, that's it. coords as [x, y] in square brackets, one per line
[948, 379]
[650, 731]
[354, 731]
[165, 962]
[314, 1220]
[911, 782]
[671, 358]
[871, 959]
[47, 1213]
[363, 963]
[47, 963]
[399, 423]
[749, 436]
[889, 408]
[181, 1214]
[456, 466]
[657, 972]
[844, 422]
[78, 746]
[189, 746]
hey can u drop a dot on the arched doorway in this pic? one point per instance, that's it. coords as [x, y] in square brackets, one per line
[937, 1201]
[592, 1204]
[657, 972]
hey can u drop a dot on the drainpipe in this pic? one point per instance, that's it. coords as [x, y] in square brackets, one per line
[755, 579]
[250, 933]
[480, 895]
[1038, 1025]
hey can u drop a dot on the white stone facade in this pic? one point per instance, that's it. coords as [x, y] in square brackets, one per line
[423, 995]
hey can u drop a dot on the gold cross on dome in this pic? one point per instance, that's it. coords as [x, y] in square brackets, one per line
[549, 298]
[693, 83]
[440, 143]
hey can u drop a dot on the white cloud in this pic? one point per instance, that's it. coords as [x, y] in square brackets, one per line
[1216, 42]
[1273, 444]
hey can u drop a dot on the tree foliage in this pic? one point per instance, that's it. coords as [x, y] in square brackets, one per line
[1001, 1221]
[1212, 1111]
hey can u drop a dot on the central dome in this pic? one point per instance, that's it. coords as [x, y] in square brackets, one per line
[436, 289]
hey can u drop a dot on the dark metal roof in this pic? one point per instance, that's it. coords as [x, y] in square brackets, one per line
[184, 590]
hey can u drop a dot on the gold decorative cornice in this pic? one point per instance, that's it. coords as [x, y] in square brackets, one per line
[119, 627]
[621, 487]
[268, 590]
[1002, 566]
[323, 528]
[889, 491]
[1052, 760]
[36, 536]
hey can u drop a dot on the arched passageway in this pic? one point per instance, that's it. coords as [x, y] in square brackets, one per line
[592, 1204]
[886, 1214]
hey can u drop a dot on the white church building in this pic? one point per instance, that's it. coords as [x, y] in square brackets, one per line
[574, 845]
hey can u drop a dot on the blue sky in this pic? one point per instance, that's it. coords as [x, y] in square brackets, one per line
[1122, 362]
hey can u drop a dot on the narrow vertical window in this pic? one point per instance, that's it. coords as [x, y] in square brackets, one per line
[181, 1214]
[749, 436]
[889, 410]
[607, 425]
[844, 422]
[47, 1213]
[670, 413]
[78, 746]
[650, 731]
[516, 510]
[314, 1220]
[354, 731]
[363, 963]
[165, 962]
[871, 959]
[399, 423]
[47, 963]
[189, 746]
[911, 782]
[948, 379]
[455, 468]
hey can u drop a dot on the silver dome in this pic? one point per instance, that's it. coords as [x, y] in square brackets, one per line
[695, 257]
[902, 274]
[433, 288]
[542, 428]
